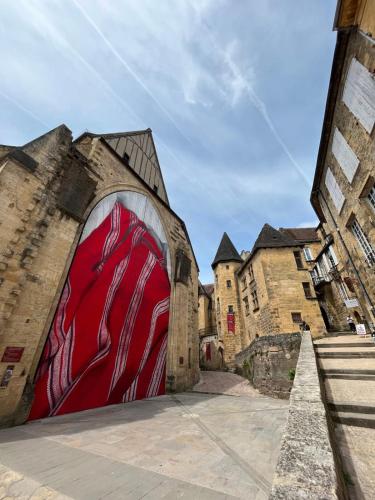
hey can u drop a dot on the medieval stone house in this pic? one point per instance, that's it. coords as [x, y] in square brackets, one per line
[266, 291]
[343, 193]
[98, 279]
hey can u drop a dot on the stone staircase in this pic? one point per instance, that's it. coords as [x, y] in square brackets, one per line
[347, 368]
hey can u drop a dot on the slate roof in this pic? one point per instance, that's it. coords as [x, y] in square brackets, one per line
[206, 289]
[302, 234]
[269, 237]
[226, 252]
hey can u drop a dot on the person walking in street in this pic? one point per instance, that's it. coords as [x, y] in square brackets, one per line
[351, 323]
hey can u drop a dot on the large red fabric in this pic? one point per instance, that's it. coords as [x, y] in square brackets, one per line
[108, 340]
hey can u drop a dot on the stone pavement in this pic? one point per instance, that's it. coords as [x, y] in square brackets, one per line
[225, 383]
[189, 445]
[347, 364]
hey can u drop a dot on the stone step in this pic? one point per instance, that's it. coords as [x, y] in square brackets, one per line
[349, 344]
[350, 407]
[354, 419]
[349, 376]
[346, 354]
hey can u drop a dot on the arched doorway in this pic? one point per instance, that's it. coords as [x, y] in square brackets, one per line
[325, 318]
[358, 317]
[108, 340]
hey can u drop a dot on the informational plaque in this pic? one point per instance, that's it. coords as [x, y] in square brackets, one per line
[361, 329]
[12, 354]
[351, 303]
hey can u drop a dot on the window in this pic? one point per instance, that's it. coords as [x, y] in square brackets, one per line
[254, 297]
[126, 158]
[226, 267]
[298, 259]
[229, 284]
[332, 257]
[307, 253]
[342, 290]
[307, 290]
[363, 243]
[230, 309]
[247, 307]
[218, 306]
[251, 273]
[296, 317]
[334, 190]
[244, 284]
[155, 188]
[371, 197]
[216, 279]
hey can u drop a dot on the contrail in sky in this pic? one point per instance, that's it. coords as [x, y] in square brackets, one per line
[128, 68]
[254, 98]
[22, 108]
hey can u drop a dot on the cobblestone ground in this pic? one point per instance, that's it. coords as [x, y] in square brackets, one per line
[189, 445]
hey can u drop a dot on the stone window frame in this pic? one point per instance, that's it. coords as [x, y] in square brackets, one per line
[254, 297]
[297, 317]
[229, 283]
[247, 305]
[244, 283]
[230, 309]
[307, 290]
[298, 260]
[362, 240]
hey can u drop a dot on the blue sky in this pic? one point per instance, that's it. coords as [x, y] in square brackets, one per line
[234, 91]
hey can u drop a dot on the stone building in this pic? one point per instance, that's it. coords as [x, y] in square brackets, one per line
[275, 285]
[267, 291]
[78, 220]
[227, 299]
[343, 193]
[211, 349]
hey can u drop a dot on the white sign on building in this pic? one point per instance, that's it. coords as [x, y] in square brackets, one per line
[351, 303]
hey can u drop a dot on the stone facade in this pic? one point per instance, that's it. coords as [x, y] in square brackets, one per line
[269, 363]
[268, 290]
[47, 189]
[344, 184]
[281, 301]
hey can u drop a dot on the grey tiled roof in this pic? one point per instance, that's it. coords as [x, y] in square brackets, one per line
[226, 252]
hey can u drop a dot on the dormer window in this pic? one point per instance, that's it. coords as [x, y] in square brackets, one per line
[126, 158]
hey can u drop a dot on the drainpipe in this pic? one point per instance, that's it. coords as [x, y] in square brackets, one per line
[348, 254]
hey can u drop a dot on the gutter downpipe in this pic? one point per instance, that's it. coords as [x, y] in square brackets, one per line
[348, 255]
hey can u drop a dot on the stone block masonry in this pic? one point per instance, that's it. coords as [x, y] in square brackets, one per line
[269, 363]
[306, 467]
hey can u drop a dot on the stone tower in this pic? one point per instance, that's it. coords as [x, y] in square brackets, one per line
[226, 296]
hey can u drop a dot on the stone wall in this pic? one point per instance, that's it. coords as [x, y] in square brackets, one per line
[228, 296]
[47, 189]
[278, 283]
[269, 363]
[306, 466]
[356, 205]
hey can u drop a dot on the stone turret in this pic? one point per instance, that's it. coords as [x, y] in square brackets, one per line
[228, 317]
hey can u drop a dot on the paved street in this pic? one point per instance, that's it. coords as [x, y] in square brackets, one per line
[190, 445]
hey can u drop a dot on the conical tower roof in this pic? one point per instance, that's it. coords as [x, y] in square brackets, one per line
[270, 237]
[226, 252]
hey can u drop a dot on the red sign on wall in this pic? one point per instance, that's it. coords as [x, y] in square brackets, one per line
[12, 354]
[230, 321]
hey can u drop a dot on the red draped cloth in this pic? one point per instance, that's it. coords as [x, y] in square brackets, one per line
[108, 340]
[230, 322]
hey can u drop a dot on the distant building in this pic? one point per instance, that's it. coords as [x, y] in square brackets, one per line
[269, 291]
[276, 289]
[343, 193]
